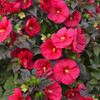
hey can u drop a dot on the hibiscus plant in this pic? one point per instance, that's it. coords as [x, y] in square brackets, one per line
[49, 49]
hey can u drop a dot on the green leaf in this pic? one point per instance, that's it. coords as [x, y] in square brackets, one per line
[93, 81]
[33, 11]
[9, 68]
[97, 75]
[84, 75]
[1, 91]
[90, 8]
[94, 66]
[96, 50]
[43, 28]
[6, 94]
[16, 67]
[9, 83]
[73, 5]
[24, 45]
[87, 38]
[25, 74]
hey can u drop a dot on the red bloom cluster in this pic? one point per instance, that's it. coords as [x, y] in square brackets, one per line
[32, 27]
[5, 29]
[25, 57]
[14, 6]
[18, 95]
[57, 10]
[74, 94]
[66, 71]
[53, 92]
[73, 19]
[25, 3]
[52, 49]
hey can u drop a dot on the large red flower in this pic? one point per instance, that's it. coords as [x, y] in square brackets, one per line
[26, 59]
[86, 98]
[18, 95]
[73, 94]
[43, 66]
[59, 12]
[46, 4]
[12, 7]
[73, 19]
[63, 38]
[25, 3]
[5, 29]
[66, 71]
[53, 91]
[16, 52]
[49, 51]
[32, 27]
[79, 41]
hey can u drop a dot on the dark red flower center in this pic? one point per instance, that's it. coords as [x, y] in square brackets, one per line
[44, 68]
[71, 18]
[54, 50]
[2, 32]
[24, 1]
[72, 94]
[50, 91]
[62, 38]
[30, 28]
[58, 11]
[66, 71]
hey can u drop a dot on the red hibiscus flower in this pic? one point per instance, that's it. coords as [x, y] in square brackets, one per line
[49, 51]
[73, 20]
[12, 7]
[18, 95]
[16, 52]
[25, 3]
[79, 41]
[63, 38]
[32, 27]
[5, 29]
[59, 12]
[86, 98]
[66, 71]
[46, 4]
[43, 66]
[73, 94]
[53, 92]
[26, 59]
